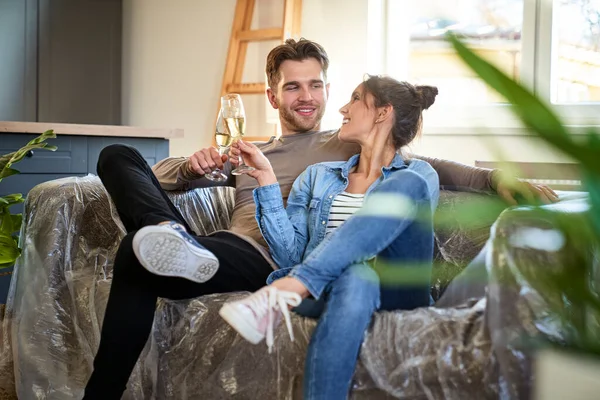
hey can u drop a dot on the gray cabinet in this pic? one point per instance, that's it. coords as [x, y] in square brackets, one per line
[79, 61]
[77, 155]
[69, 158]
[60, 61]
[18, 60]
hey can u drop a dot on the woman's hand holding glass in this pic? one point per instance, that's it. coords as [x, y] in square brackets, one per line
[253, 157]
[232, 109]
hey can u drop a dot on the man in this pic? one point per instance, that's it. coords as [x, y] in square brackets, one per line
[160, 258]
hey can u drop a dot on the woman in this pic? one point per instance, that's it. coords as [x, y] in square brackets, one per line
[341, 219]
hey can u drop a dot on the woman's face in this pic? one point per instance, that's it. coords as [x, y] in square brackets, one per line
[359, 116]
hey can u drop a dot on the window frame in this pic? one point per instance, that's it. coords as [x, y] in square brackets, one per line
[388, 56]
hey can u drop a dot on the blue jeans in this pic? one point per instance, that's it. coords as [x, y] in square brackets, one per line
[348, 291]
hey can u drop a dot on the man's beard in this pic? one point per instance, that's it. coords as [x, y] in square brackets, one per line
[296, 123]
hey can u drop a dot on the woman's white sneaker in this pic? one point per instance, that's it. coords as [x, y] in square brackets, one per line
[256, 316]
[169, 250]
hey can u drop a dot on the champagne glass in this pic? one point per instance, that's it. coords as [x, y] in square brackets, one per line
[232, 109]
[223, 140]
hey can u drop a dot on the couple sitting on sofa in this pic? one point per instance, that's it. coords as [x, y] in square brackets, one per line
[318, 246]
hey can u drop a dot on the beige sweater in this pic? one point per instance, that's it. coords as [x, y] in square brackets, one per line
[291, 155]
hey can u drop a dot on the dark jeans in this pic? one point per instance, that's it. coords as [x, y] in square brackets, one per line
[140, 201]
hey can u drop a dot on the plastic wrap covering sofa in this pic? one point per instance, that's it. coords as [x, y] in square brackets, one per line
[59, 291]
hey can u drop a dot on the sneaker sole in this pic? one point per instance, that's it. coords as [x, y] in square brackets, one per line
[237, 322]
[166, 253]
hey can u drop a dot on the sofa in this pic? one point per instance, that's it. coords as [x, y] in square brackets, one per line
[58, 294]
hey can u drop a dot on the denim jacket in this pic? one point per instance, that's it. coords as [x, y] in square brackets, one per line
[292, 233]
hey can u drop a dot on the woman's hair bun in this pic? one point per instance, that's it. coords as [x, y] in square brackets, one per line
[426, 95]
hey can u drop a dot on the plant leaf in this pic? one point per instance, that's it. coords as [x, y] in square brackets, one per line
[474, 213]
[9, 249]
[6, 172]
[17, 220]
[569, 289]
[6, 265]
[592, 185]
[22, 152]
[49, 134]
[6, 226]
[532, 111]
[14, 198]
[37, 143]
[5, 160]
[10, 223]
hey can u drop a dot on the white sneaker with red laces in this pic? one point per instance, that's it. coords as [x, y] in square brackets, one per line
[257, 315]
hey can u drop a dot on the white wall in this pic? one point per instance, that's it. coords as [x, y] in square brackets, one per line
[341, 27]
[173, 60]
[174, 56]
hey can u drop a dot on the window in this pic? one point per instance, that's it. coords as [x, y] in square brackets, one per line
[553, 46]
[576, 51]
[492, 29]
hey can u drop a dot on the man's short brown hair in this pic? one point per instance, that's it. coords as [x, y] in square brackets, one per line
[300, 50]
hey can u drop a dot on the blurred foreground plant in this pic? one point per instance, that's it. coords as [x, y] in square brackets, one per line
[571, 291]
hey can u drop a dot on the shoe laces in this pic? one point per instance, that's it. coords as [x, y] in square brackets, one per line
[177, 227]
[270, 302]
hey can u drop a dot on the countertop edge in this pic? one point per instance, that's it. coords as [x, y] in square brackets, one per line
[89, 130]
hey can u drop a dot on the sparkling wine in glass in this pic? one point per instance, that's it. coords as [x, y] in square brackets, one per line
[232, 109]
[223, 140]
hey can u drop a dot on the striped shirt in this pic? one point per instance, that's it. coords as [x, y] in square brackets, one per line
[343, 206]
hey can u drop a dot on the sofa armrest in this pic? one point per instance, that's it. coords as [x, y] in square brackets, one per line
[527, 246]
[69, 237]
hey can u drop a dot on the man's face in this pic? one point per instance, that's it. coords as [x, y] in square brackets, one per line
[300, 96]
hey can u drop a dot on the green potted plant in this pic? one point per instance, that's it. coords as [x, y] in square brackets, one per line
[10, 224]
[571, 363]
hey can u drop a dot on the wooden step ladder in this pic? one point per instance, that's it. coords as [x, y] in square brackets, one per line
[241, 35]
